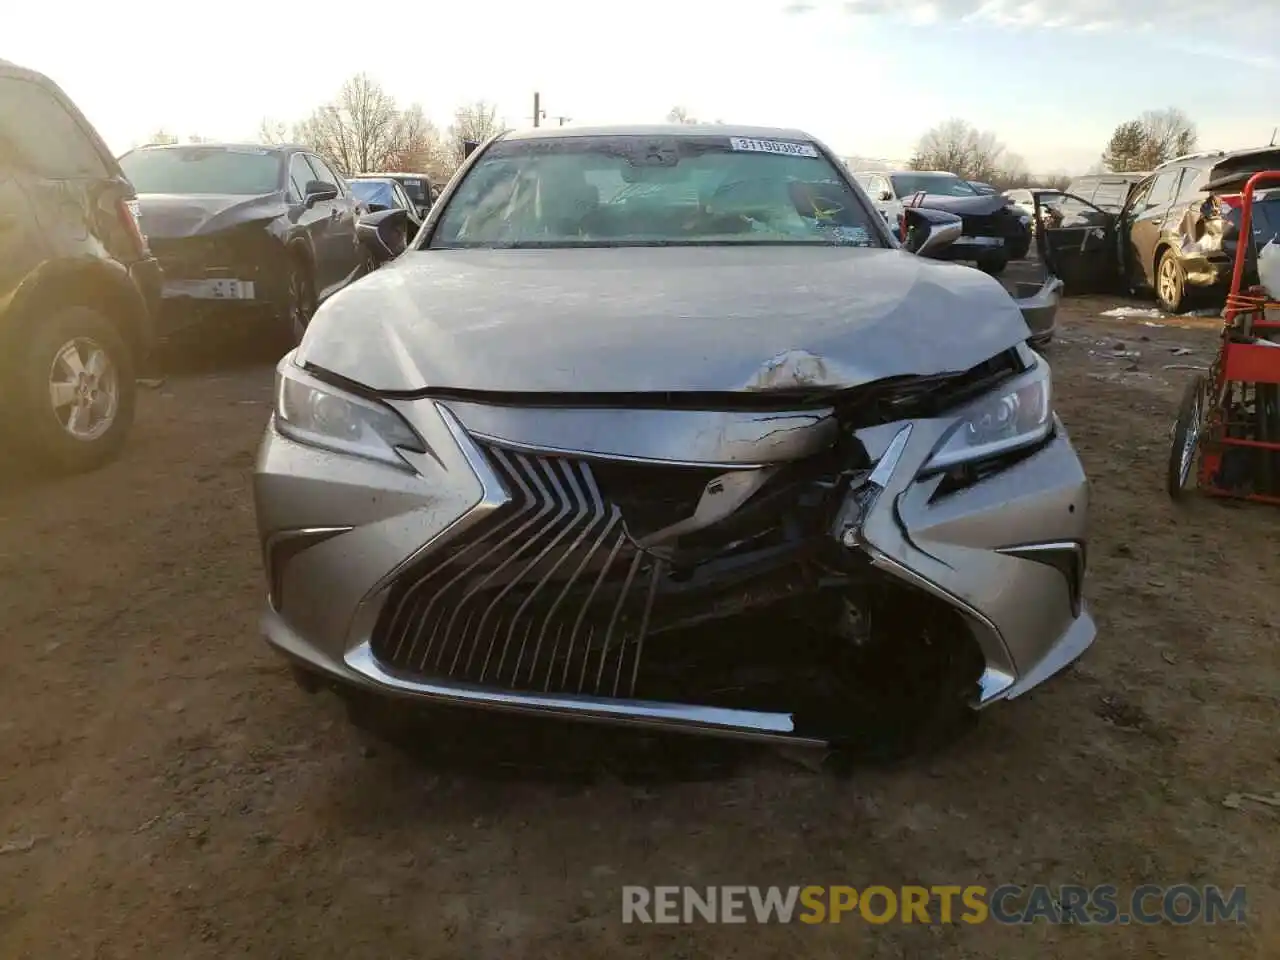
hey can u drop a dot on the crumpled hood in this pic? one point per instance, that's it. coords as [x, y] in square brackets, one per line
[167, 216]
[973, 206]
[658, 319]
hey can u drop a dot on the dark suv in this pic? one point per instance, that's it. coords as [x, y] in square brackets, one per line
[417, 185]
[1175, 234]
[78, 285]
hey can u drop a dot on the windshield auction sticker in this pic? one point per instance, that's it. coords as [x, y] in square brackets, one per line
[773, 146]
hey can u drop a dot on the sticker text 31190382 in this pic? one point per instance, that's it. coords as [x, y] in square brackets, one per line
[785, 147]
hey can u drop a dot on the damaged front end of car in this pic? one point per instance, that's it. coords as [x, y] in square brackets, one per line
[790, 562]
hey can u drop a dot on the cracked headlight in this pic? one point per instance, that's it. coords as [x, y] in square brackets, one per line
[1015, 415]
[319, 414]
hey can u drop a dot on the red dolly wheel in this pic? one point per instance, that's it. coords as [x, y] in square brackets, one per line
[1186, 436]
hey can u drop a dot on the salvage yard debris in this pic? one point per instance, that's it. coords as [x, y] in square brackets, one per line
[1126, 313]
[18, 846]
[1236, 801]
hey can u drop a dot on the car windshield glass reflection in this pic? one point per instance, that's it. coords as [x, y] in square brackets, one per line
[938, 184]
[614, 191]
[374, 192]
[246, 172]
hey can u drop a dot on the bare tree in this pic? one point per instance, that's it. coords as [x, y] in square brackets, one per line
[418, 146]
[1150, 140]
[1167, 134]
[680, 114]
[1013, 173]
[958, 147]
[986, 157]
[475, 122]
[273, 131]
[363, 129]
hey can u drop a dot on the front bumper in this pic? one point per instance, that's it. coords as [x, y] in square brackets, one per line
[180, 312]
[338, 534]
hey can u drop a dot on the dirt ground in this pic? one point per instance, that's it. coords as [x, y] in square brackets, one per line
[165, 791]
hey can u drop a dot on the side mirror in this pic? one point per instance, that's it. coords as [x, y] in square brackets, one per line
[384, 233]
[886, 195]
[318, 191]
[929, 232]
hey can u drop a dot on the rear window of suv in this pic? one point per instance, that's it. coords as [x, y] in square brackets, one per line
[39, 135]
[1111, 194]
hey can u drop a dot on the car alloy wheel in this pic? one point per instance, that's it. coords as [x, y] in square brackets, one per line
[1169, 283]
[84, 389]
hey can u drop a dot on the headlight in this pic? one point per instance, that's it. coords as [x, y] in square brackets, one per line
[1015, 415]
[320, 415]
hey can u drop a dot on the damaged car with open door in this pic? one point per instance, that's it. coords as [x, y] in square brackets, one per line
[661, 426]
[1174, 235]
[244, 232]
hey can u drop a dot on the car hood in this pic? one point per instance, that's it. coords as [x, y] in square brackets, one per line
[665, 319]
[167, 216]
[974, 206]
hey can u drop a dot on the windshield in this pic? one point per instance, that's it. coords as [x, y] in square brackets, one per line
[673, 190]
[374, 191]
[938, 184]
[241, 171]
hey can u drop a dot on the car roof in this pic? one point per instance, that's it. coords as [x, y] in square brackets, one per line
[9, 68]
[1121, 175]
[264, 147]
[661, 130]
[909, 173]
[386, 175]
[1209, 158]
[12, 70]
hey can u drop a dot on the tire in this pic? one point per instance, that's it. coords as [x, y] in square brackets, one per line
[300, 299]
[73, 390]
[1186, 437]
[993, 264]
[1171, 283]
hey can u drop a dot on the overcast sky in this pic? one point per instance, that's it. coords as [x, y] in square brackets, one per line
[1051, 77]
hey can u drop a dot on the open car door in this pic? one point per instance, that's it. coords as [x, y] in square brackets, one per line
[1076, 241]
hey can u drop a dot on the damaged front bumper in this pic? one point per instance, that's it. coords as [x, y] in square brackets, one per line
[539, 561]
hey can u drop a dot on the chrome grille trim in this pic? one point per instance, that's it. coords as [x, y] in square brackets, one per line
[551, 594]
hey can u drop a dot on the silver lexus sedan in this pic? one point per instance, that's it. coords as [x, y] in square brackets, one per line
[660, 426]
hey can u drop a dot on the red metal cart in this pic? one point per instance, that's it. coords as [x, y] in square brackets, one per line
[1230, 416]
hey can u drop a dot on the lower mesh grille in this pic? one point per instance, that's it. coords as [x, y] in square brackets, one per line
[551, 594]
